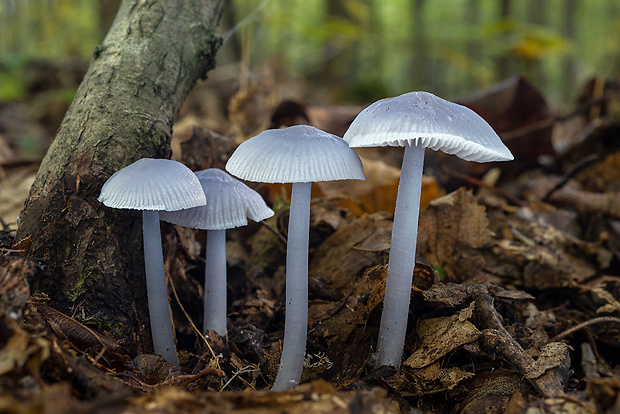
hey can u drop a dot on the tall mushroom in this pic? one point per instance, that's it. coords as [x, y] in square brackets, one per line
[154, 185]
[230, 204]
[416, 120]
[300, 155]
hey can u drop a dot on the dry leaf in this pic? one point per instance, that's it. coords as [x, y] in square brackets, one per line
[343, 256]
[439, 336]
[449, 228]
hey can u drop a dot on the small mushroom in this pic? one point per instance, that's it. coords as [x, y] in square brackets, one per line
[416, 120]
[230, 204]
[300, 155]
[154, 185]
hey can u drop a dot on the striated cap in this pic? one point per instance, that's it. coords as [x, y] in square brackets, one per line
[300, 153]
[424, 119]
[230, 204]
[153, 184]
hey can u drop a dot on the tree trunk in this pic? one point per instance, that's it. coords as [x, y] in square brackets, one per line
[154, 53]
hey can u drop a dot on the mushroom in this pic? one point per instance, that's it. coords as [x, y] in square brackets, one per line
[230, 204]
[154, 185]
[416, 120]
[300, 155]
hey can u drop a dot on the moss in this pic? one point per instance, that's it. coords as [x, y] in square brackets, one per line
[81, 287]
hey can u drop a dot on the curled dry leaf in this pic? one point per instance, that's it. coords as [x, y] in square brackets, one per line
[544, 257]
[345, 327]
[80, 336]
[378, 191]
[316, 397]
[446, 377]
[14, 352]
[343, 256]
[449, 229]
[490, 392]
[439, 336]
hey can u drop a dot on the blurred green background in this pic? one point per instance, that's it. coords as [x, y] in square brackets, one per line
[357, 51]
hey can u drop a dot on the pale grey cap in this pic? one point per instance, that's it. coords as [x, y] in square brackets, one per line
[424, 119]
[230, 204]
[297, 154]
[153, 184]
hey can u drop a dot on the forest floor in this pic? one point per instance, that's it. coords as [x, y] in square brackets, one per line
[515, 305]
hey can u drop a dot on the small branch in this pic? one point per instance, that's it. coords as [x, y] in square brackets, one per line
[548, 122]
[482, 184]
[189, 318]
[276, 232]
[570, 331]
[578, 166]
[547, 383]
[545, 374]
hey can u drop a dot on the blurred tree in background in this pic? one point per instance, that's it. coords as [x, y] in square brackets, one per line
[361, 50]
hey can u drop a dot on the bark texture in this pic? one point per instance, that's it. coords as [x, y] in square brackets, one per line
[154, 53]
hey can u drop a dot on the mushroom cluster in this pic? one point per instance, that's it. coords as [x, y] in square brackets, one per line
[299, 155]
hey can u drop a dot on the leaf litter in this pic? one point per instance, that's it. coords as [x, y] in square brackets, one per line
[514, 305]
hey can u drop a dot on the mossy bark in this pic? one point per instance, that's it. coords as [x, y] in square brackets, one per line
[154, 53]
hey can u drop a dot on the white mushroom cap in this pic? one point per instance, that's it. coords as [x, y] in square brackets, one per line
[424, 119]
[296, 154]
[230, 204]
[153, 184]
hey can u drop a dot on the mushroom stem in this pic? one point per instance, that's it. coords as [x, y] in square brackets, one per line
[215, 283]
[157, 292]
[402, 259]
[296, 320]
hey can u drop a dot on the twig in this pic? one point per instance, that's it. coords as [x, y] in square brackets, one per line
[274, 231]
[570, 331]
[495, 339]
[578, 166]
[239, 371]
[482, 184]
[497, 342]
[548, 122]
[12, 251]
[189, 318]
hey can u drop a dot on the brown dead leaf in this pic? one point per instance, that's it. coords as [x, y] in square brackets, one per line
[449, 295]
[604, 393]
[14, 190]
[81, 336]
[54, 399]
[153, 369]
[341, 321]
[378, 191]
[354, 247]
[490, 392]
[439, 336]
[345, 327]
[14, 352]
[447, 377]
[450, 224]
[554, 355]
[316, 397]
[510, 106]
[542, 256]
